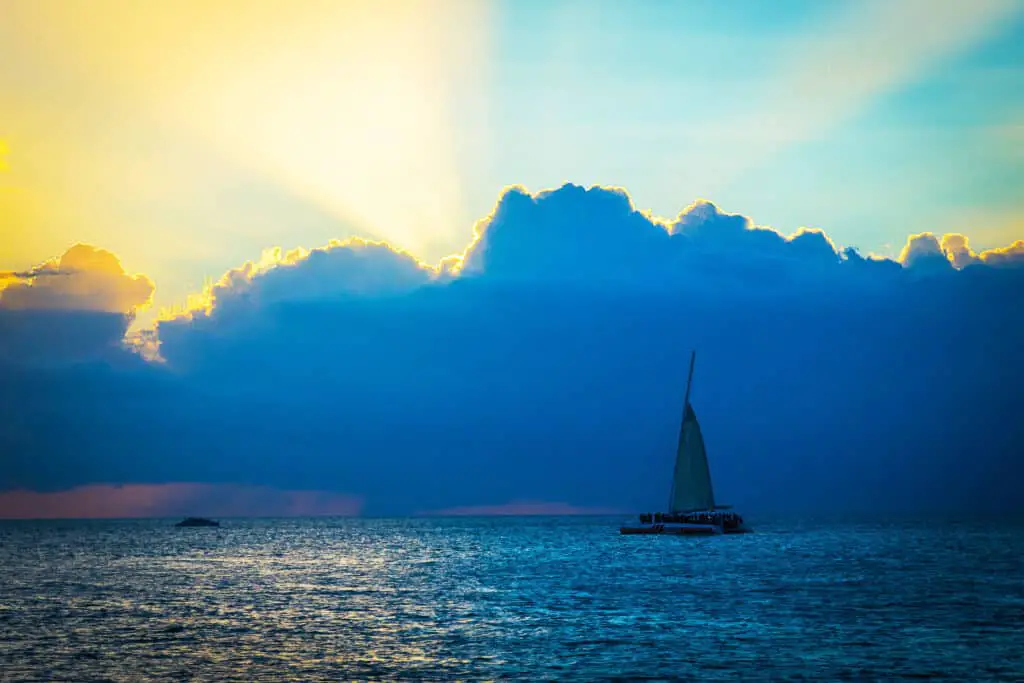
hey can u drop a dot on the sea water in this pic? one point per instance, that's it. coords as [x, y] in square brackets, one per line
[509, 598]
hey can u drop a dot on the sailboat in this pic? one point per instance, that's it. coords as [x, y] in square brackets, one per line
[691, 504]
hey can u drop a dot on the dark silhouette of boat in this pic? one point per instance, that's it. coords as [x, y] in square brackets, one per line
[197, 521]
[692, 509]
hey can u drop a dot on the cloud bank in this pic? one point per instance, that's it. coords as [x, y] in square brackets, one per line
[545, 363]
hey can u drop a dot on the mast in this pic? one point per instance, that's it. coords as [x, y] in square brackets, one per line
[682, 424]
[689, 380]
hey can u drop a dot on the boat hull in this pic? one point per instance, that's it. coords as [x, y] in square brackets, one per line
[673, 529]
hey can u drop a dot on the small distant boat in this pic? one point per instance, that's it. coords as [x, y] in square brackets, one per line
[197, 521]
[691, 506]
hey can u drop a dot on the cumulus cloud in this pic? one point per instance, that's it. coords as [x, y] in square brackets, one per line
[546, 363]
[568, 232]
[597, 236]
[928, 252]
[956, 249]
[85, 278]
[705, 227]
[1010, 255]
[584, 235]
[343, 268]
[71, 308]
[924, 252]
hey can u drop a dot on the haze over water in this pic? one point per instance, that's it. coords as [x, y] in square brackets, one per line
[539, 598]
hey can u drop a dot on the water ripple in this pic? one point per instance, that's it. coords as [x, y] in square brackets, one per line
[511, 599]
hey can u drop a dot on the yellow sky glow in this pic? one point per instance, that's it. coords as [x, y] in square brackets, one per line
[130, 119]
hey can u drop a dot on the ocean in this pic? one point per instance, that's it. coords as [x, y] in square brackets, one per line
[530, 598]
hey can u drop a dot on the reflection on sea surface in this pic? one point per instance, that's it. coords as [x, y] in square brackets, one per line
[564, 598]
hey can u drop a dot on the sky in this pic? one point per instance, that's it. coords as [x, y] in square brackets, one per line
[400, 257]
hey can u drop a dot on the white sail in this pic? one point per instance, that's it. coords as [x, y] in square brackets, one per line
[691, 481]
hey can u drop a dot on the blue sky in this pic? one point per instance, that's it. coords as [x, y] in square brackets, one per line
[633, 94]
